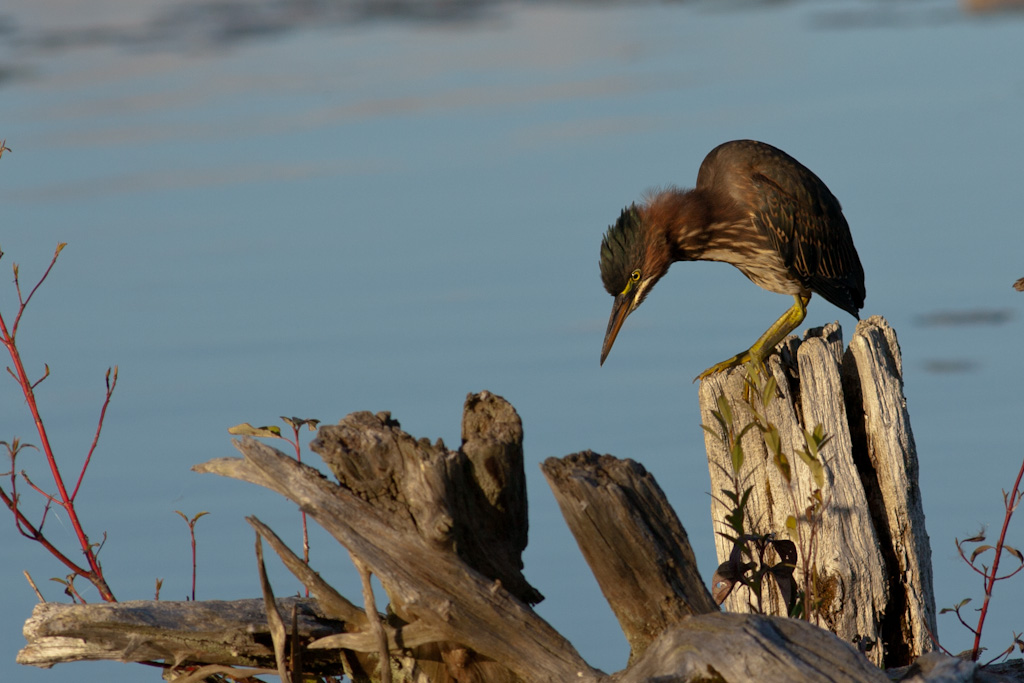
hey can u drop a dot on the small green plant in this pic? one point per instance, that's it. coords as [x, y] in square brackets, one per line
[758, 556]
[990, 574]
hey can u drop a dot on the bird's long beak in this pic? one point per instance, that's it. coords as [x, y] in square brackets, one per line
[620, 311]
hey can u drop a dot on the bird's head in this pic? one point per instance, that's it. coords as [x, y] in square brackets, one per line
[633, 259]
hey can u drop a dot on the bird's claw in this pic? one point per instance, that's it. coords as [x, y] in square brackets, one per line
[739, 359]
[735, 361]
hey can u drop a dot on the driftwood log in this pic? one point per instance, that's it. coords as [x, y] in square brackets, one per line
[631, 538]
[871, 555]
[443, 531]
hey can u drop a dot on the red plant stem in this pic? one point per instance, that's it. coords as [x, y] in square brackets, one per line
[30, 398]
[34, 534]
[73, 592]
[305, 531]
[990, 580]
[95, 573]
[970, 564]
[38, 490]
[192, 533]
[99, 428]
[24, 302]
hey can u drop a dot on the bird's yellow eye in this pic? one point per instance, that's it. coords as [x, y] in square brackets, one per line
[634, 278]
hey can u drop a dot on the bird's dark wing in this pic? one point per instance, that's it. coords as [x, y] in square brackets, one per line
[799, 215]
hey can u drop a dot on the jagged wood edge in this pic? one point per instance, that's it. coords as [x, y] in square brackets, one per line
[434, 586]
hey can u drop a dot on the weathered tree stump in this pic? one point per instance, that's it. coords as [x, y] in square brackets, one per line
[633, 542]
[871, 551]
[443, 531]
[395, 509]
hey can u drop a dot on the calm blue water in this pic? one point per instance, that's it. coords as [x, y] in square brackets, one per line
[311, 214]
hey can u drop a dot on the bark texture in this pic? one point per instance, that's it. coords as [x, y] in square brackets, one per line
[633, 542]
[870, 553]
[444, 531]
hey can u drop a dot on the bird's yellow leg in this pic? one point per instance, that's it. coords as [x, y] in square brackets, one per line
[766, 343]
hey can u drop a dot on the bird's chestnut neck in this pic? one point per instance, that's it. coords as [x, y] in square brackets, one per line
[682, 219]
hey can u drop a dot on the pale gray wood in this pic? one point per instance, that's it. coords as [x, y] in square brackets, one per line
[471, 501]
[875, 367]
[710, 647]
[853, 547]
[849, 545]
[430, 582]
[212, 632]
[935, 667]
[632, 540]
[745, 647]
[406, 508]
[846, 552]
[331, 603]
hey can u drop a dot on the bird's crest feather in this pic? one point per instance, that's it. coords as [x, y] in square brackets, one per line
[622, 250]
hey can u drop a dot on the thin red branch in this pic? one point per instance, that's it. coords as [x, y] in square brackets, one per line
[1013, 573]
[966, 625]
[38, 490]
[992, 577]
[45, 375]
[20, 311]
[99, 428]
[95, 572]
[192, 535]
[36, 535]
[30, 399]
[305, 531]
[970, 564]
[935, 641]
[72, 591]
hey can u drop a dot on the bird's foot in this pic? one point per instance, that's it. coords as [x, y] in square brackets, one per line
[735, 361]
[743, 358]
[767, 342]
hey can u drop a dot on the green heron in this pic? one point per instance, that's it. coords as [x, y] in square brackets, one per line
[755, 207]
